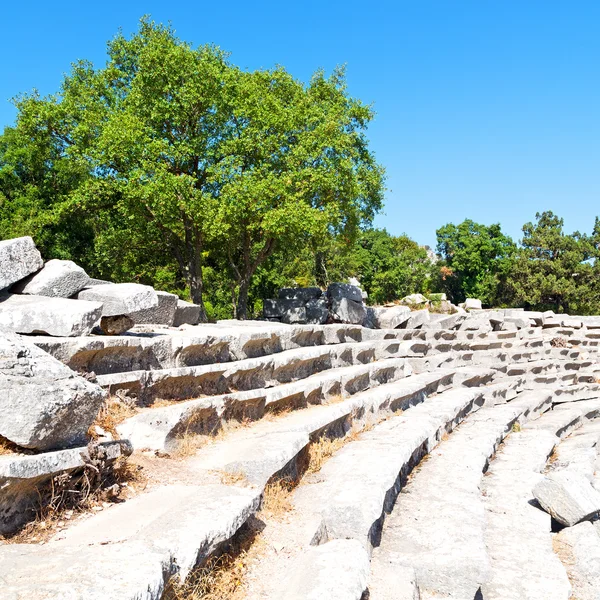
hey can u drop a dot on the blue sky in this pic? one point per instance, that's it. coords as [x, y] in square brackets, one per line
[485, 109]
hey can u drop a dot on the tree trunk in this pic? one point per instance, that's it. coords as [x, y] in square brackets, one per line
[196, 288]
[241, 312]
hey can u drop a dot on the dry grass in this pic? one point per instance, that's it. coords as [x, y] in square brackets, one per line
[69, 495]
[277, 498]
[221, 577]
[7, 447]
[321, 450]
[516, 427]
[114, 411]
[233, 478]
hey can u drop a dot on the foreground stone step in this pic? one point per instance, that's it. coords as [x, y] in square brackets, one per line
[22, 477]
[518, 534]
[130, 551]
[161, 428]
[436, 528]
[266, 371]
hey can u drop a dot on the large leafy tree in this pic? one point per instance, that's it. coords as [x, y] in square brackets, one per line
[555, 270]
[186, 156]
[476, 261]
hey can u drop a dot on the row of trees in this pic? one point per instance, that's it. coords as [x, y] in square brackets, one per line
[173, 167]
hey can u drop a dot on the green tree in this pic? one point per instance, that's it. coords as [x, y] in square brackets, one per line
[391, 267]
[476, 262]
[187, 155]
[555, 270]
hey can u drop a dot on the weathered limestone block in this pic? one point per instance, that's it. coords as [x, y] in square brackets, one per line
[317, 311]
[18, 258]
[568, 497]
[278, 308]
[52, 316]
[337, 291]
[417, 318]
[22, 476]
[414, 299]
[390, 317]
[348, 311]
[571, 322]
[58, 278]
[92, 282]
[472, 304]
[186, 314]
[304, 294]
[121, 298]
[161, 314]
[294, 314]
[44, 404]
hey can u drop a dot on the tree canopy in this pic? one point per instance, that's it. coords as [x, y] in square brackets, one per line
[171, 154]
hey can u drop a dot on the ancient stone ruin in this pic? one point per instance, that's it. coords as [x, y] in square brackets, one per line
[426, 451]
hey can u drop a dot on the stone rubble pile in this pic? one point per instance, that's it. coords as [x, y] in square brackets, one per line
[466, 462]
[58, 298]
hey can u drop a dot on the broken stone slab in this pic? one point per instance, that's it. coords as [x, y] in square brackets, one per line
[121, 298]
[568, 497]
[571, 322]
[303, 294]
[339, 291]
[338, 570]
[47, 316]
[390, 317]
[44, 404]
[346, 310]
[414, 299]
[294, 315]
[579, 549]
[18, 258]
[23, 478]
[417, 318]
[161, 314]
[186, 313]
[58, 278]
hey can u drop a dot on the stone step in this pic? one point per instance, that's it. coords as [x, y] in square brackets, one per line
[160, 428]
[578, 547]
[436, 528]
[253, 373]
[130, 551]
[268, 448]
[518, 534]
[21, 477]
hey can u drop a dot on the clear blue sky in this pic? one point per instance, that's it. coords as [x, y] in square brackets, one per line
[485, 109]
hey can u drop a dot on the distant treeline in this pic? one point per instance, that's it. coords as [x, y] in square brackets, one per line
[173, 167]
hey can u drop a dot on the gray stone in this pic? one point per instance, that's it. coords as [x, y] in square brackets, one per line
[58, 278]
[338, 570]
[161, 314]
[337, 291]
[414, 299]
[568, 496]
[317, 311]
[51, 316]
[18, 258]
[44, 404]
[417, 318]
[186, 313]
[294, 315]
[121, 298]
[472, 304]
[116, 325]
[93, 282]
[579, 549]
[348, 311]
[571, 322]
[390, 317]
[304, 294]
